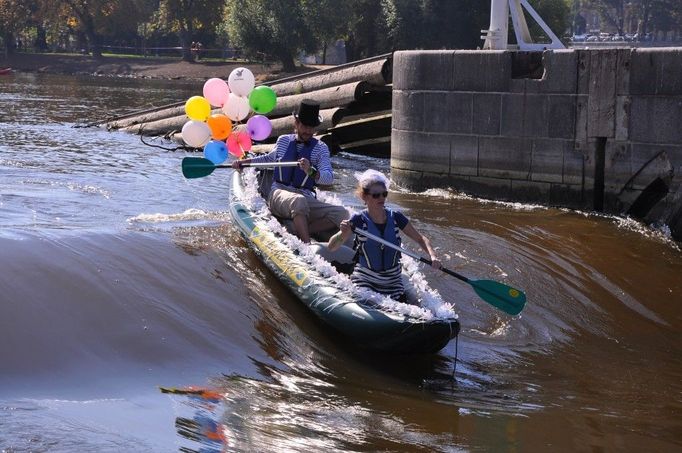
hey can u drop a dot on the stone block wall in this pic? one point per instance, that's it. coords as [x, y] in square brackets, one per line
[589, 129]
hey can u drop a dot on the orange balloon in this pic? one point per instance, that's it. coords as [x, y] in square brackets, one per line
[220, 126]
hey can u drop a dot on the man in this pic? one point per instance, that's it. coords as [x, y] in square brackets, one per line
[292, 195]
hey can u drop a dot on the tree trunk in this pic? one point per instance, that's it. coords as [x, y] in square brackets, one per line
[375, 72]
[334, 96]
[184, 35]
[9, 43]
[287, 60]
[646, 7]
[95, 49]
[351, 53]
[187, 54]
[285, 125]
[146, 117]
[40, 43]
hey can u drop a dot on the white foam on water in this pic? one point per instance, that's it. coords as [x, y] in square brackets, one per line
[451, 194]
[657, 232]
[72, 186]
[189, 214]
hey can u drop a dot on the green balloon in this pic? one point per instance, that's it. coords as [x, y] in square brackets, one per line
[262, 99]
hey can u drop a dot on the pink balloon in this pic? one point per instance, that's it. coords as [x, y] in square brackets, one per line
[216, 91]
[238, 143]
[259, 127]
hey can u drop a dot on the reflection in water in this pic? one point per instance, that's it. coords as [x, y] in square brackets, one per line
[201, 425]
[306, 408]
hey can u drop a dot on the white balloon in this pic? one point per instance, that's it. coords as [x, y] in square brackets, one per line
[241, 81]
[236, 108]
[196, 133]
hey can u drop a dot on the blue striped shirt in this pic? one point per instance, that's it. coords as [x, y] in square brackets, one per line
[319, 158]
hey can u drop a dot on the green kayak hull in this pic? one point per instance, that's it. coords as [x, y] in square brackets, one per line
[368, 327]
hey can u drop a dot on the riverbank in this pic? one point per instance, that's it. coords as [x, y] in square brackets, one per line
[139, 67]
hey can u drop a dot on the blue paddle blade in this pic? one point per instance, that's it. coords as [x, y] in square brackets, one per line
[509, 300]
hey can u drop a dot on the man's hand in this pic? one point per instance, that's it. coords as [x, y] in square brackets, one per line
[237, 164]
[304, 164]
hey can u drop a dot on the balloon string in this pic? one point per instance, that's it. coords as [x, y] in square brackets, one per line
[163, 147]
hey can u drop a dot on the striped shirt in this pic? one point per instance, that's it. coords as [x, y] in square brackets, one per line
[319, 158]
[388, 282]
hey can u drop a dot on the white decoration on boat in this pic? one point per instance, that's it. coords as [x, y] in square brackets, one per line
[432, 305]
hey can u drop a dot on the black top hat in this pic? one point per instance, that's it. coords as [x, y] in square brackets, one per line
[308, 113]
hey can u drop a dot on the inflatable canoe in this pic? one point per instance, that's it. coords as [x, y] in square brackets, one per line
[310, 272]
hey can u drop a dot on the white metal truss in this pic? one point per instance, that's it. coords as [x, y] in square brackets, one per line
[496, 36]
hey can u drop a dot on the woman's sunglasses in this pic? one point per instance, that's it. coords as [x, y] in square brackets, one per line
[378, 194]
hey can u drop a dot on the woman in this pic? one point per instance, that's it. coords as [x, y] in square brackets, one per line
[378, 267]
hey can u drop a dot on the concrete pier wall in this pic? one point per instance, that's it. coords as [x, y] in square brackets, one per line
[590, 129]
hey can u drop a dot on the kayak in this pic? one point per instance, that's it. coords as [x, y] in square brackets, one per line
[4, 71]
[320, 280]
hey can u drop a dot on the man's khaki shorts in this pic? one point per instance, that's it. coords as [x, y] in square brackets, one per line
[287, 204]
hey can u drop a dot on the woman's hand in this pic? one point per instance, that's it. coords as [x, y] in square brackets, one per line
[344, 226]
[339, 238]
[435, 262]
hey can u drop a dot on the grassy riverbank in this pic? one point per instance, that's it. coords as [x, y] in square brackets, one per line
[139, 67]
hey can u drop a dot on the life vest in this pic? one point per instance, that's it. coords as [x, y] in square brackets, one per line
[294, 176]
[372, 254]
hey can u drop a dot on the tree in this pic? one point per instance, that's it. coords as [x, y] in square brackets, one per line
[90, 19]
[274, 27]
[434, 24]
[187, 17]
[14, 14]
[404, 22]
[327, 22]
[612, 12]
[366, 29]
[555, 13]
[663, 15]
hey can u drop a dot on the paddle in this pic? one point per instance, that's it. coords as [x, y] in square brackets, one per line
[198, 167]
[509, 300]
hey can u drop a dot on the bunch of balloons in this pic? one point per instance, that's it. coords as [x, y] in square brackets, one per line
[236, 98]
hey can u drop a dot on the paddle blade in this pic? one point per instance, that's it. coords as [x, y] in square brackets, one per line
[196, 167]
[506, 298]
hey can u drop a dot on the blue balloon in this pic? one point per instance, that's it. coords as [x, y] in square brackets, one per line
[215, 151]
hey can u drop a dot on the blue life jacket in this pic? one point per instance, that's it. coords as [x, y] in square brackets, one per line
[372, 254]
[294, 176]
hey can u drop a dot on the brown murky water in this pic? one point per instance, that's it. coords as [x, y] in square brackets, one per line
[119, 276]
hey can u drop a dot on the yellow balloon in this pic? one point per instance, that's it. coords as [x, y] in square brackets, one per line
[198, 108]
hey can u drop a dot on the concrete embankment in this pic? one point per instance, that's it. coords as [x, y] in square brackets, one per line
[589, 129]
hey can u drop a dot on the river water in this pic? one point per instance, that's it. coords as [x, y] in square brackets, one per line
[118, 276]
